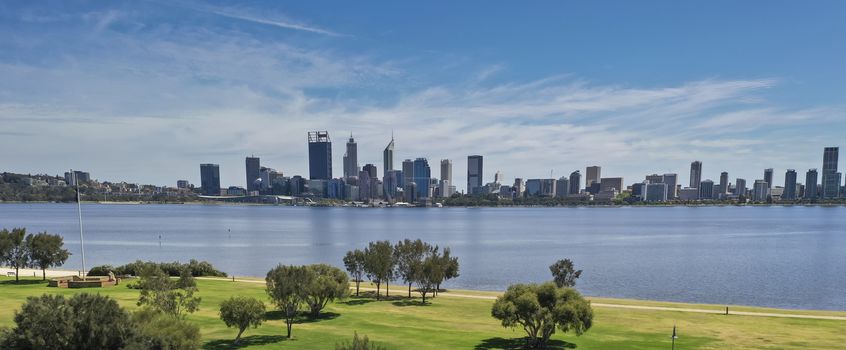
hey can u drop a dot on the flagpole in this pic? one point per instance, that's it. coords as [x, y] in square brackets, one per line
[79, 212]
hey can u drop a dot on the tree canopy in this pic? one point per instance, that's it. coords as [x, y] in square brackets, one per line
[409, 257]
[14, 250]
[379, 264]
[174, 297]
[564, 273]
[354, 263]
[242, 312]
[46, 251]
[286, 287]
[326, 284]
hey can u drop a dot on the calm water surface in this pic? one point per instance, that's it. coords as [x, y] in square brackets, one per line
[789, 257]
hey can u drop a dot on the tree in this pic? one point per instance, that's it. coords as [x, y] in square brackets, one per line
[429, 275]
[82, 321]
[359, 344]
[286, 287]
[157, 330]
[541, 308]
[354, 262]
[46, 251]
[409, 256]
[449, 266]
[326, 284]
[173, 297]
[379, 264]
[564, 273]
[14, 250]
[242, 312]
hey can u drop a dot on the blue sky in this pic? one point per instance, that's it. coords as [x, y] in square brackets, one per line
[145, 91]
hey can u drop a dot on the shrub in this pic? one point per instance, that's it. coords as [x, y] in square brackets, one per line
[173, 269]
[359, 344]
[157, 330]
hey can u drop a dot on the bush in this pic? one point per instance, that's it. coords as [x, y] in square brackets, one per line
[157, 330]
[359, 344]
[242, 312]
[173, 269]
[102, 270]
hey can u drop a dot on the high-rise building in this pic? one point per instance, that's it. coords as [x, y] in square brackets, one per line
[593, 174]
[830, 176]
[351, 159]
[498, 177]
[474, 174]
[319, 155]
[562, 187]
[655, 192]
[371, 170]
[519, 187]
[706, 189]
[422, 177]
[768, 177]
[75, 176]
[388, 157]
[392, 181]
[672, 181]
[695, 174]
[789, 185]
[760, 191]
[253, 166]
[182, 184]
[608, 183]
[811, 190]
[407, 172]
[210, 179]
[446, 170]
[575, 182]
[740, 187]
[724, 185]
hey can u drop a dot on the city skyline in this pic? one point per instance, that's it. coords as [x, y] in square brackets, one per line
[167, 86]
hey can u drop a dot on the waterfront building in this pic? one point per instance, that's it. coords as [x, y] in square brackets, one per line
[182, 184]
[351, 158]
[371, 170]
[519, 187]
[740, 187]
[297, 185]
[365, 189]
[689, 193]
[388, 157]
[760, 191]
[654, 179]
[672, 181]
[236, 191]
[575, 182]
[540, 187]
[317, 188]
[422, 176]
[768, 177]
[265, 180]
[407, 172]
[392, 181]
[656, 192]
[562, 187]
[639, 190]
[776, 193]
[706, 189]
[410, 192]
[724, 185]
[474, 174]
[446, 170]
[74, 176]
[210, 179]
[594, 188]
[352, 192]
[498, 177]
[789, 185]
[830, 176]
[253, 169]
[335, 189]
[607, 183]
[695, 173]
[319, 155]
[811, 189]
[606, 195]
[593, 174]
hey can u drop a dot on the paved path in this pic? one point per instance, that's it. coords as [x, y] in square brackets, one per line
[621, 306]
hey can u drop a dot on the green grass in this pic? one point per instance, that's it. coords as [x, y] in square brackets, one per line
[464, 323]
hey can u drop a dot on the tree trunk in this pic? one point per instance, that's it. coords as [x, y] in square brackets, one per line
[357, 282]
[17, 275]
[409, 290]
[387, 289]
[424, 298]
[43, 274]
[289, 322]
[378, 287]
[238, 337]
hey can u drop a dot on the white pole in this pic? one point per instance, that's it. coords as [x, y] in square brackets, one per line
[79, 211]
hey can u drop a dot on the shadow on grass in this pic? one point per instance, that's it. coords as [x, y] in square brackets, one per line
[253, 340]
[23, 282]
[410, 302]
[520, 343]
[357, 301]
[277, 315]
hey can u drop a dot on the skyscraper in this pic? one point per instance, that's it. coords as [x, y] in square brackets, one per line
[562, 187]
[768, 177]
[760, 191]
[407, 172]
[210, 179]
[593, 175]
[830, 176]
[253, 167]
[789, 185]
[724, 184]
[672, 181]
[388, 157]
[422, 176]
[740, 187]
[446, 170]
[575, 182]
[474, 174]
[371, 171]
[351, 159]
[319, 155]
[706, 189]
[695, 174]
[811, 190]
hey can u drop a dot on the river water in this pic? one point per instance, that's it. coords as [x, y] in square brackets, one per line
[786, 257]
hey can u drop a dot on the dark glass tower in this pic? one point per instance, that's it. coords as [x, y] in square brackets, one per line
[319, 155]
[210, 179]
[575, 181]
[811, 190]
[830, 176]
[789, 185]
[474, 174]
[253, 172]
[422, 174]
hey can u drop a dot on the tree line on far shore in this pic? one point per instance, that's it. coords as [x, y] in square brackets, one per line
[42, 250]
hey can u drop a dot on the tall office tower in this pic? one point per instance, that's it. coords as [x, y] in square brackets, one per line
[446, 170]
[706, 189]
[351, 159]
[364, 189]
[392, 181]
[407, 172]
[672, 181]
[593, 175]
[740, 187]
[371, 170]
[655, 192]
[760, 191]
[830, 176]
[498, 177]
[695, 174]
[519, 187]
[388, 157]
[474, 174]
[768, 177]
[422, 176]
[210, 179]
[724, 185]
[789, 185]
[575, 182]
[562, 187]
[811, 189]
[319, 155]
[253, 168]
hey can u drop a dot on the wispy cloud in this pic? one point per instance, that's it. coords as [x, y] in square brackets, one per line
[249, 15]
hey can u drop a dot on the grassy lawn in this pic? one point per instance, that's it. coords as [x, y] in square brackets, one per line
[465, 323]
